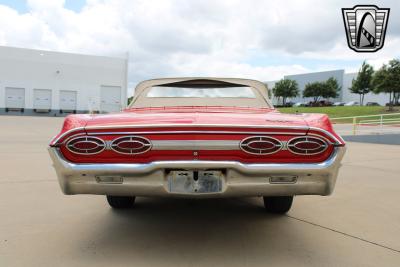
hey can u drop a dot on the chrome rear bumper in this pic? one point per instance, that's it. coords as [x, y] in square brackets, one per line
[239, 179]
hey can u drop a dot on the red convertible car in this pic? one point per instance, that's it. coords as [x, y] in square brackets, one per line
[198, 137]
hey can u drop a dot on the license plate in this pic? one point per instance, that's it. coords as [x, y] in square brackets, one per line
[195, 181]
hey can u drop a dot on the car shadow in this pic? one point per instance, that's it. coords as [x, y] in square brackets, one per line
[163, 231]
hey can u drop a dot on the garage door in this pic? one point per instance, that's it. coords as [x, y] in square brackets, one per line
[15, 97]
[110, 99]
[67, 100]
[42, 99]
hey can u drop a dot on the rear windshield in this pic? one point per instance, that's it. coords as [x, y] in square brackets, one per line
[226, 92]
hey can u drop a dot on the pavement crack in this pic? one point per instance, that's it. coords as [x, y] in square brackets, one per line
[345, 234]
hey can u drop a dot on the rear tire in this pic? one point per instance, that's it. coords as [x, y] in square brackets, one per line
[120, 202]
[278, 205]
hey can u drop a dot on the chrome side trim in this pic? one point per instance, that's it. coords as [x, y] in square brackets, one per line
[65, 167]
[192, 132]
[305, 128]
[338, 142]
[73, 136]
[195, 145]
[66, 133]
[124, 126]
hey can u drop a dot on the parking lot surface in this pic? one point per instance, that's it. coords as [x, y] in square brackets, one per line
[359, 225]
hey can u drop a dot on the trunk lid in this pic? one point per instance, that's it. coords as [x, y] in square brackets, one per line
[197, 117]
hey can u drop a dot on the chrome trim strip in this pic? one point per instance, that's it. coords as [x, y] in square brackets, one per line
[66, 133]
[65, 167]
[195, 144]
[338, 142]
[305, 128]
[195, 125]
[192, 132]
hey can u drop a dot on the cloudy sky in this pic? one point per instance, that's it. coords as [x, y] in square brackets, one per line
[255, 39]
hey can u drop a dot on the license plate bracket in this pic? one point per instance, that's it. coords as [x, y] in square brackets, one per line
[195, 182]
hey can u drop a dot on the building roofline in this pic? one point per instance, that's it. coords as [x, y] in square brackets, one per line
[314, 72]
[60, 52]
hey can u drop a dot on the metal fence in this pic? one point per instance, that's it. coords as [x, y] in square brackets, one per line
[368, 124]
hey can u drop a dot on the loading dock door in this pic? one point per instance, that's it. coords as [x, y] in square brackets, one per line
[110, 99]
[67, 100]
[15, 98]
[42, 99]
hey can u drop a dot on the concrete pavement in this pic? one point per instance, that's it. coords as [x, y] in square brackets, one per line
[359, 225]
[362, 129]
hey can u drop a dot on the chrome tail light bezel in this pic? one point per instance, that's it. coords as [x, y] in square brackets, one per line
[90, 139]
[146, 143]
[244, 145]
[291, 145]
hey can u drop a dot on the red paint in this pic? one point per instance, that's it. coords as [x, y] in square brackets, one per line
[85, 145]
[194, 119]
[108, 156]
[307, 145]
[261, 145]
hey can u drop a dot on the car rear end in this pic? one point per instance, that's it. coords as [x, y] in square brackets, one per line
[198, 138]
[197, 160]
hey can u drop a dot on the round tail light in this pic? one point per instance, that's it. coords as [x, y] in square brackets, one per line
[307, 145]
[131, 145]
[86, 145]
[260, 145]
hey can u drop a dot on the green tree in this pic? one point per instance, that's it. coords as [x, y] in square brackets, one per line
[314, 90]
[286, 88]
[269, 91]
[130, 99]
[362, 84]
[387, 80]
[317, 90]
[332, 88]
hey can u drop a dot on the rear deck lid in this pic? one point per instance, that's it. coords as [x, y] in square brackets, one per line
[196, 117]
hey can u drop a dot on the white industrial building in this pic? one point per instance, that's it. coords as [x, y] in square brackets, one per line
[53, 83]
[344, 80]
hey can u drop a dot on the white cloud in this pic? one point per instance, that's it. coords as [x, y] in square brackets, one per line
[198, 37]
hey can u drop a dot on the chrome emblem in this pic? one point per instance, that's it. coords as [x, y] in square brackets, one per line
[365, 27]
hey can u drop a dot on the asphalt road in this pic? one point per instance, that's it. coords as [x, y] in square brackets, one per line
[359, 225]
